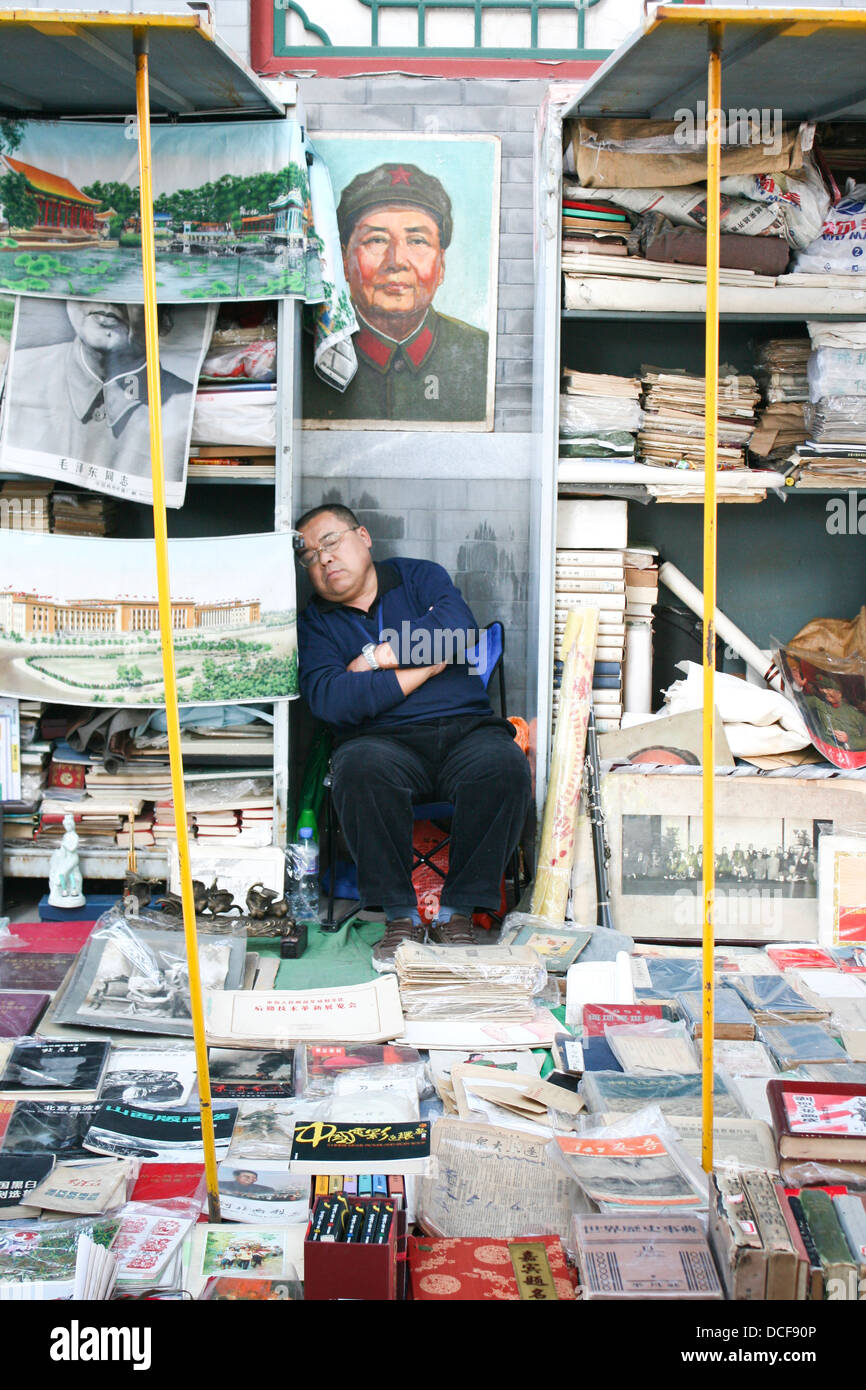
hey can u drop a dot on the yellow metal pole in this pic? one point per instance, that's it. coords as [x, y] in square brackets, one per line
[160, 534]
[711, 373]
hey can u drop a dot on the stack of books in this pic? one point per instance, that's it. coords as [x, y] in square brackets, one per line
[672, 434]
[602, 228]
[83, 514]
[98, 820]
[238, 462]
[164, 823]
[216, 827]
[141, 838]
[594, 579]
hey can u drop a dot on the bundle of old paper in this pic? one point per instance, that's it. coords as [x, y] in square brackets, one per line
[494, 1182]
[674, 406]
[468, 981]
[348, 1014]
[781, 372]
[515, 1102]
[518, 1065]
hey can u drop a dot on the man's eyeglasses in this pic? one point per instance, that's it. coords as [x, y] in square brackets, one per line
[327, 545]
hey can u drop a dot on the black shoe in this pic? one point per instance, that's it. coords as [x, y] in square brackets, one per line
[398, 930]
[457, 932]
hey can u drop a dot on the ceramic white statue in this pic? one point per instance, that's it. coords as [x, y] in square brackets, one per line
[64, 874]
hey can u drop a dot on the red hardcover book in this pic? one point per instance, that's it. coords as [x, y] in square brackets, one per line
[66, 775]
[801, 958]
[479, 1270]
[819, 1120]
[597, 1017]
[158, 1181]
[38, 937]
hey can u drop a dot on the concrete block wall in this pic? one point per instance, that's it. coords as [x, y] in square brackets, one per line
[459, 498]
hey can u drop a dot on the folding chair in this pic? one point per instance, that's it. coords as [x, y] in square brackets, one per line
[493, 651]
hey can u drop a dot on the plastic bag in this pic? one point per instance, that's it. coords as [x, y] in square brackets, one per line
[838, 249]
[44, 1253]
[150, 1235]
[616, 1092]
[799, 195]
[255, 361]
[687, 206]
[830, 694]
[235, 417]
[836, 372]
[654, 1046]
[554, 941]
[795, 1043]
[634, 1164]
[489, 1182]
[322, 1063]
[586, 415]
[136, 978]
[411, 1078]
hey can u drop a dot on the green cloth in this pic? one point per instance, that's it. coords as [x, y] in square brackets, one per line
[331, 958]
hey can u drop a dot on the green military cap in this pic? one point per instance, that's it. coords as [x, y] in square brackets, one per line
[394, 183]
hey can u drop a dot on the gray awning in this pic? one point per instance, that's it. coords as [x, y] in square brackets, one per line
[80, 63]
[808, 63]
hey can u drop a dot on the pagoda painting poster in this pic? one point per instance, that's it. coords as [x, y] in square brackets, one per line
[79, 620]
[232, 214]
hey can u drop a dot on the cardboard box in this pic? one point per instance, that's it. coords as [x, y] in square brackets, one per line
[587, 524]
[337, 1269]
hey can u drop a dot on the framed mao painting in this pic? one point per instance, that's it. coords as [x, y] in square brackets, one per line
[418, 218]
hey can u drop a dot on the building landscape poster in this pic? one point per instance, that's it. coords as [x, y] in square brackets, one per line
[76, 400]
[418, 220]
[232, 212]
[79, 621]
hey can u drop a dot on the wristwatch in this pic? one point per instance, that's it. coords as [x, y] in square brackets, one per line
[369, 655]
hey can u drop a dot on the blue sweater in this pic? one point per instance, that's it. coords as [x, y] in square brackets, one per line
[412, 592]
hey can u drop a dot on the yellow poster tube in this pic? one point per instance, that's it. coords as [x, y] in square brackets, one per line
[160, 533]
[711, 374]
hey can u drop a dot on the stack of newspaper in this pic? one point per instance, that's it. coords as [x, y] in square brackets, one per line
[674, 423]
[467, 981]
[781, 371]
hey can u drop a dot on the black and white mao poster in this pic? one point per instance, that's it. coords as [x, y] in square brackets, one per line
[76, 401]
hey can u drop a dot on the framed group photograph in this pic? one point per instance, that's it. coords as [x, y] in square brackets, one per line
[768, 832]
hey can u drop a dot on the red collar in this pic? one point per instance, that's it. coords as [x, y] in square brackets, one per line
[380, 351]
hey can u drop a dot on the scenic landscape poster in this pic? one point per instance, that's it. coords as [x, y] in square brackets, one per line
[232, 212]
[79, 620]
